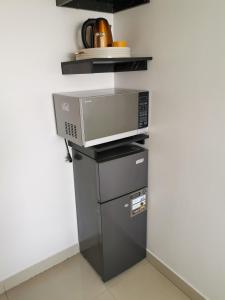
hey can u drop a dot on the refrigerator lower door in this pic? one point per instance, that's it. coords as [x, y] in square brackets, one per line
[124, 223]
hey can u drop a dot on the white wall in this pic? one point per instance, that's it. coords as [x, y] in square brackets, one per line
[37, 207]
[187, 212]
[187, 162]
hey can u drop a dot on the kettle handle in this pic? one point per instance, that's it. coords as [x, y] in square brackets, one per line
[89, 23]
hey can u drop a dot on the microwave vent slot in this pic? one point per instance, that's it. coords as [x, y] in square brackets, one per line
[71, 129]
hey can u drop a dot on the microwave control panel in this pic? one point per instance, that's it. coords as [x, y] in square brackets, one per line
[143, 110]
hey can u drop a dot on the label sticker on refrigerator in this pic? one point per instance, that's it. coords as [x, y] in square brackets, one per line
[138, 205]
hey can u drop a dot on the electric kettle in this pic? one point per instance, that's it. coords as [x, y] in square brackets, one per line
[100, 34]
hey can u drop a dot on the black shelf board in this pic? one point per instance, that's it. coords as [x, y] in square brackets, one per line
[105, 65]
[110, 6]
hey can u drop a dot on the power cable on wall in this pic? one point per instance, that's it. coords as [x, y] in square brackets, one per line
[68, 155]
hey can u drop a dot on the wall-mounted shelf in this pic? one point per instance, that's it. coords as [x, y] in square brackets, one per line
[104, 65]
[110, 6]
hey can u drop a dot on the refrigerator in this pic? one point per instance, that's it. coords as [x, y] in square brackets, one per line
[111, 200]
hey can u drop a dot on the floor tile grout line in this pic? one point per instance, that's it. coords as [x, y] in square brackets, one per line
[108, 290]
[102, 293]
[6, 295]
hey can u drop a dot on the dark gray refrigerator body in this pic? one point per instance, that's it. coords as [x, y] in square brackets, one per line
[111, 201]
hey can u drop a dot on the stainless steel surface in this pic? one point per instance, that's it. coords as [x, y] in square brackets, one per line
[67, 112]
[108, 115]
[98, 93]
[90, 118]
[96, 33]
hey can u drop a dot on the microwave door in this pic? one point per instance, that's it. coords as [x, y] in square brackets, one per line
[108, 118]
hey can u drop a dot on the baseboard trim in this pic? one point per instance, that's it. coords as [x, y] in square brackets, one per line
[58, 258]
[185, 287]
[36, 269]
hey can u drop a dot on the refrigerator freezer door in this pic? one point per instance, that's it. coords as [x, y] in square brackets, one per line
[123, 233]
[124, 175]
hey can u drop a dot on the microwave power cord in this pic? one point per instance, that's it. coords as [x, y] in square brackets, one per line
[68, 155]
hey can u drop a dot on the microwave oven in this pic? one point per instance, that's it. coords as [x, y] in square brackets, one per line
[89, 118]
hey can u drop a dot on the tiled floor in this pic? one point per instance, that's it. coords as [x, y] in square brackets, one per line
[76, 280]
[3, 297]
